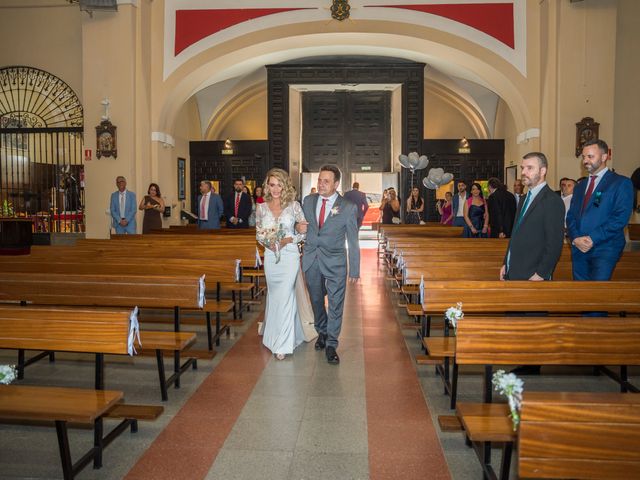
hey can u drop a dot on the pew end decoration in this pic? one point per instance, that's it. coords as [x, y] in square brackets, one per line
[7, 374]
[454, 314]
[509, 385]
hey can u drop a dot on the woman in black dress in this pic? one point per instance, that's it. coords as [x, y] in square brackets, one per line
[153, 206]
[476, 214]
[415, 207]
[390, 208]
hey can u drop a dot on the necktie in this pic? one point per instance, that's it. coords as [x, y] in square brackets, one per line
[322, 212]
[122, 200]
[203, 203]
[523, 209]
[587, 196]
[235, 214]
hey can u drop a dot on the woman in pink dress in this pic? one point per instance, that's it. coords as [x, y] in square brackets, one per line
[445, 209]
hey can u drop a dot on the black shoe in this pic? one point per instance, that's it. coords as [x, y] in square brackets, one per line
[526, 370]
[321, 342]
[332, 356]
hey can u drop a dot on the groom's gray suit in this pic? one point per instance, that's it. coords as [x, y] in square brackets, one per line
[324, 262]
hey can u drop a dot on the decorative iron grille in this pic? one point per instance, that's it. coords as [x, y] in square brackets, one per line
[41, 170]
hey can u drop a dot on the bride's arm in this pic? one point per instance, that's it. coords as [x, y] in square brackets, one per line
[299, 218]
[260, 233]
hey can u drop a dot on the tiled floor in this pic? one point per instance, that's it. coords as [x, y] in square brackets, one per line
[245, 415]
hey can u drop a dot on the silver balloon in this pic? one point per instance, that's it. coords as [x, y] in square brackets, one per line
[404, 161]
[435, 175]
[423, 161]
[446, 178]
[429, 184]
[414, 157]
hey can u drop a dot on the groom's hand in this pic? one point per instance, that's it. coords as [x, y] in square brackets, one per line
[301, 227]
[354, 279]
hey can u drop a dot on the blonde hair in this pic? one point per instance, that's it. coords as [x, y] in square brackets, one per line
[288, 191]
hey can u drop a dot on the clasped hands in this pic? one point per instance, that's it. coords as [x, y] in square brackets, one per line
[584, 244]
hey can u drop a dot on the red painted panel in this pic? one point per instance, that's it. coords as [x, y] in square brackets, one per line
[494, 19]
[194, 25]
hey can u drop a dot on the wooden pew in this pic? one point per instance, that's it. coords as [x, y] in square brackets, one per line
[561, 435]
[63, 406]
[586, 341]
[111, 291]
[96, 331]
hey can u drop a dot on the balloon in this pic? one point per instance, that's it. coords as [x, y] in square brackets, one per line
[404, 161]
[429, 184]
[435, 175]
[414, 157]
[423, 161]
[446, 178]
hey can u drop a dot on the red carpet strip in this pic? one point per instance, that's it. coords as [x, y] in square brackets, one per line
[188, 446]
[402, 439]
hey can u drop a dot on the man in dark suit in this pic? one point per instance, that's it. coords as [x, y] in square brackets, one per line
[237, 206]
[538, 232]
[536, 238]
[210, 207]
[518, 191]
[502, 209]
[600, 209]
[359, 199]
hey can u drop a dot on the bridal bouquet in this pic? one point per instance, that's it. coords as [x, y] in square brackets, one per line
[7, 374]
[271, 236]
[512, 387]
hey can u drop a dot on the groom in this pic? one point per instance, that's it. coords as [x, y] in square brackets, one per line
[330, 219]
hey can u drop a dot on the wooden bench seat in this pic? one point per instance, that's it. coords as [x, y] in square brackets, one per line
[489, 341]
[65, 406]
[561, 435]
[87, 330]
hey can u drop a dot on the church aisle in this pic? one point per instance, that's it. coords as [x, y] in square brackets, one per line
[255, 417]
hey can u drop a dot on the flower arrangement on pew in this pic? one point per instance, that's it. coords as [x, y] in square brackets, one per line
[7, 374]
[512, 387]
[454, 314]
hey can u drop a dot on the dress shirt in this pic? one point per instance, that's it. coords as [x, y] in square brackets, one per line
[123, 203]
[205, 200]
[567, 203]
[327, 209]
[461, 200]
[598, 176]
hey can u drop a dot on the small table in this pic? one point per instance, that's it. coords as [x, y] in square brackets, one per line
[15, 236]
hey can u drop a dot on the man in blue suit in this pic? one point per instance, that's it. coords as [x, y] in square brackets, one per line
[600, 209]
[123, 208]
[210, 207]
[458, 205]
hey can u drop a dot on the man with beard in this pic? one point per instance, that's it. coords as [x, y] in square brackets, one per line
[538, 232]
[458, 205]
[600, 209]
[536, 238]
[237, 206]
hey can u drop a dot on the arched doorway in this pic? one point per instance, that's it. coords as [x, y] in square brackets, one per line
[41, 171]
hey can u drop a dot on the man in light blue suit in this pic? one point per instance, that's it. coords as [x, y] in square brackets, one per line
[210, 207]
[600, 209]
[123, 208]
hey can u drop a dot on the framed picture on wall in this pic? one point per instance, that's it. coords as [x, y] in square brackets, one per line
[182, 165]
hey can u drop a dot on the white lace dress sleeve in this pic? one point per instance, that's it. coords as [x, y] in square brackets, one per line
[261, 212]
[298, 216]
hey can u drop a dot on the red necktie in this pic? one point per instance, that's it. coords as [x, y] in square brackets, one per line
[237, 205]
[202, 205]
[322, 211]
[587, 196]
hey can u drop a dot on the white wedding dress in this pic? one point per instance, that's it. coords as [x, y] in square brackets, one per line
[287, 305]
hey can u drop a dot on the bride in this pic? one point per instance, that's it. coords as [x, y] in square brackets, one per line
[275, 229]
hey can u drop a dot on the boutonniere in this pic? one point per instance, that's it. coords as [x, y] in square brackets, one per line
[335, 211]
[596, 200]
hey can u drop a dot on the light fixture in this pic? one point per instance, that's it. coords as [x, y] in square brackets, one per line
[464, 142]
[227, 144]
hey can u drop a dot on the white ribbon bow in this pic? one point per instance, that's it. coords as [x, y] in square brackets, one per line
[201, 290]
[134, 332]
